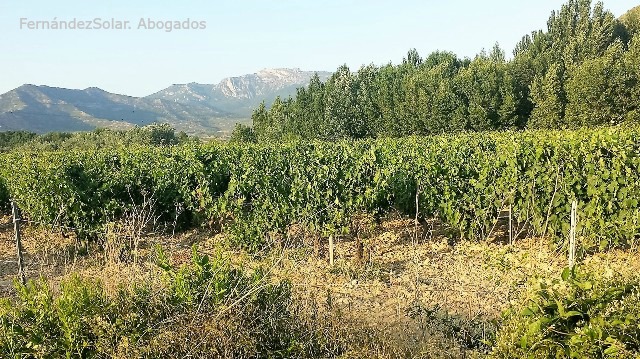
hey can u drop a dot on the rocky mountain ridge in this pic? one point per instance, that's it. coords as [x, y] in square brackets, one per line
[204, 109]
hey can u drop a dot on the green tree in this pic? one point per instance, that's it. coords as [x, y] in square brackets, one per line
[262, 123]
[413, 59]
[549, 98]
[242, 134]
[272, 124]
[342, 117]
[368, 103]
[441, 93]
[487, 97]
[599, 90]
[390, 97]
[576, 33]
[632, 66]
[161, 134]
[280, 118]
[431, 96]
[631, 21]
[307, 109]
[13, 139]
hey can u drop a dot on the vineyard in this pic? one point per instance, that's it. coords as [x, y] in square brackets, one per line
[436, 205]
[193, 257]
[255, 192]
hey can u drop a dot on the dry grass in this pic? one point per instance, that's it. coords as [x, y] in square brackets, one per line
[399, 300]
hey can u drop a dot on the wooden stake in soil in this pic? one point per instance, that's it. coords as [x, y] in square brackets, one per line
[572, 234]
[16, 227]
[331, 250]
[359, 256]
[510, 225]
[415, 221]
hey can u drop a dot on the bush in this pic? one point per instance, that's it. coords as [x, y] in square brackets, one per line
[577, 316]
[204, 309]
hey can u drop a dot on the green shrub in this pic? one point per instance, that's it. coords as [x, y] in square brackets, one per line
[577, 316]
[206, 305]
[42, 324]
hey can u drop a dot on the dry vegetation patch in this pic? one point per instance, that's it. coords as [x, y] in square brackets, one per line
[410, 292]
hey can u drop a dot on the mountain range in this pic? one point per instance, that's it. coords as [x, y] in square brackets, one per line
[201, 109]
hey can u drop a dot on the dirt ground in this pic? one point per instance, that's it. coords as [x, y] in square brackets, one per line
[405, 276]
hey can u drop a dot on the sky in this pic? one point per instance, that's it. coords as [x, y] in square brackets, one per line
[245, 36]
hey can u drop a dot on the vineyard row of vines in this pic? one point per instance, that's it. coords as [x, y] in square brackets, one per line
[251, 191]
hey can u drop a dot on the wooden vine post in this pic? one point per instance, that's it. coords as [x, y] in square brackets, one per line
[572, 234]
[331, 250]
[510, 224]
[16, 228]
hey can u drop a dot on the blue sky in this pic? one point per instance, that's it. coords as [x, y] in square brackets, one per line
[245, 36]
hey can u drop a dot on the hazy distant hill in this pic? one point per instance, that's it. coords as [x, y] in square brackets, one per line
[43, 109]
[240, 95]
[193, 108]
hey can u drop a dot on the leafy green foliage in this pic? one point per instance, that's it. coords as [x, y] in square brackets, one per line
[242, 134]
[42, 325]
[88, 189]
[599, 91]
[420, 96]
[151, 135]
[255, 192]
[13, 139]
[549, 96]
[185, 284]
[82, 321]
[579, 316]
[631, 21]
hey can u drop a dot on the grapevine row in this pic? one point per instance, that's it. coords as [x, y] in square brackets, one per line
[254, 190]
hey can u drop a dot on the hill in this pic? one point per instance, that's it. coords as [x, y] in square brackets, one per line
[203, 109]
[241, 94]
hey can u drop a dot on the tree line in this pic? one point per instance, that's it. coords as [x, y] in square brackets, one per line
[160, 134]
[584, 70]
